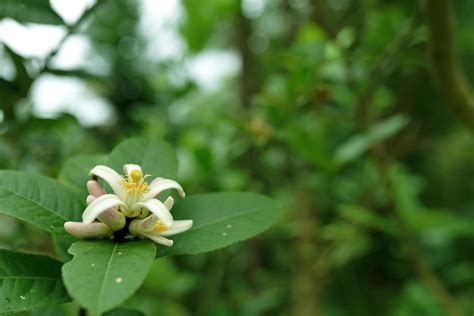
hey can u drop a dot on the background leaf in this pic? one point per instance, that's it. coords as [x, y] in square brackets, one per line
[61, 245]
[156, 157]
[29, 11]
[124, 312]
[221, 219]
[357, 145]
[103, 274]
[29, 282]
[38, 200]
[75, 171]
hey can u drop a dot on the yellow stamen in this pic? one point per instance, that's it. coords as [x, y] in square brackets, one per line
[134, 185]
[159, 227]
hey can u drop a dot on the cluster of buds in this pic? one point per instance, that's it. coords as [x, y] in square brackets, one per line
[133, 207]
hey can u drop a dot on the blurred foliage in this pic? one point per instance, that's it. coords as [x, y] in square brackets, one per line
[333, 113]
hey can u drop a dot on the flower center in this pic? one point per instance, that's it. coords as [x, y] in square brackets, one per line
[159, 227]
[135, 186]
[136, 175]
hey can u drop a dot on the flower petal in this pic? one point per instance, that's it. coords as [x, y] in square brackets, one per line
[155, 180]
[159, 239]
[95, 188]
[158, 186]
[93, 230]
[149, 222]
[100, 205]
[178, 227]
[169, 202]
[144, 225]
[158, 209]
[111, 177]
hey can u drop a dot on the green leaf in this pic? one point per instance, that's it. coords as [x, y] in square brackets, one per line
[61, 246]
[155, 156]
[221, 219]
[362, 216]
[124, 312]
[103, 274]
[38, 200]
[357, 145]
[75, 171]
[67, 309]
[29, 11]
[440, 224]
[388, 127]
[29, 282]
[349, 242]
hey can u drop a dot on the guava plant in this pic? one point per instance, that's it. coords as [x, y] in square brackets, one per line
[109, 227]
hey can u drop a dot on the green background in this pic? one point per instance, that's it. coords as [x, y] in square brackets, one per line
[338, 111]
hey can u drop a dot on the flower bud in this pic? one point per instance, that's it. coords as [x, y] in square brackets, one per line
[112, 218]
[94, 188]
[93, 230]
[138, 226]
[90, 199]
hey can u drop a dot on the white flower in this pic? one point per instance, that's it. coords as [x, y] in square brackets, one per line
[133, 198]
[154, 229]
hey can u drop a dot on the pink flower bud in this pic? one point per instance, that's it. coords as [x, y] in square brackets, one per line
[90, 199]
[95, 188]
[93, 230]
[112, 218]
[143, 225]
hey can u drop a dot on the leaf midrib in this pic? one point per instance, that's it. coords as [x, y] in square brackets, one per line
[106, 273]
[33, 201]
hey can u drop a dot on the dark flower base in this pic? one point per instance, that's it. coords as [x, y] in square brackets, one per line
[123, 235]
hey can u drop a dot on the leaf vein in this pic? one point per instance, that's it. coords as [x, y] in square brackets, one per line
[33, 202]
[106, 273]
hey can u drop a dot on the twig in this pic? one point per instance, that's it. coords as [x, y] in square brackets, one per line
[445, 69]
[307, 277]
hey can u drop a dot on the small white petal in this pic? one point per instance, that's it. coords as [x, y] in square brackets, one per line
[128, 168]
[159, 186]
[169, 203]
[95, 188]
[110, 216]
[100, 205]
[149, 222]
[158, 209]
[146, 224]
[178, 227]
[111, 177]
[159, 239]
[93, 230]
[155, 180]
